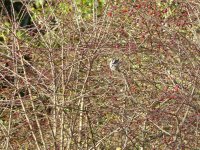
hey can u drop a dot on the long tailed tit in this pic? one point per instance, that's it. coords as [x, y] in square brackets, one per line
[114, 65]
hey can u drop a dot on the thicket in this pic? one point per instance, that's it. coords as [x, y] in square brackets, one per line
[57, 91]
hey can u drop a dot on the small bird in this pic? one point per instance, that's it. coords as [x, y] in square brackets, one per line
[114, 65]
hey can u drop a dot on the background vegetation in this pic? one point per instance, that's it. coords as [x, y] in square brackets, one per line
[57, 91]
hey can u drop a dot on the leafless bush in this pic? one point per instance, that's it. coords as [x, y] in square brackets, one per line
[57, 91]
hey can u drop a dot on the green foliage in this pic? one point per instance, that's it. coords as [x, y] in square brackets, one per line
[86, 7]
[39, 3]
[64, 8]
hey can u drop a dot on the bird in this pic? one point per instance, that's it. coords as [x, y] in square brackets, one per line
[114, 65]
